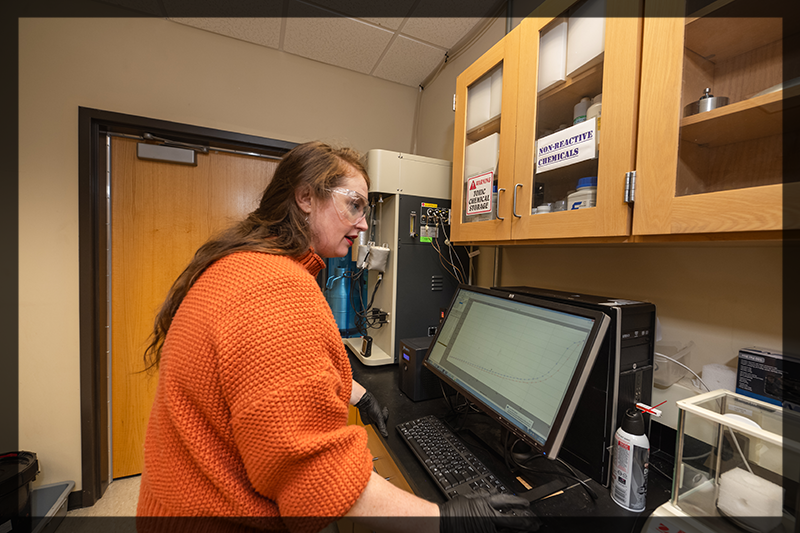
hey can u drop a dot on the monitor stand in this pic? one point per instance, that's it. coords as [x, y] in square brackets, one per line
[522, 453]
[490, 435]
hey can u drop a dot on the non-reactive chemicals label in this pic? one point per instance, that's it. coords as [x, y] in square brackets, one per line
[566, 147]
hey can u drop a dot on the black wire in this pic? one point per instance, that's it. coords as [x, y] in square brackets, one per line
[364, 320]
[454, 270]
[523, 465]
[465, 412]
[454, 409]
[506, 452]
[447, 238]
[374, 291]
[446, 397]
[356, 284]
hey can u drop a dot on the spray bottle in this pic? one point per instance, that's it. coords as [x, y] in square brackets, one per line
[630, 463]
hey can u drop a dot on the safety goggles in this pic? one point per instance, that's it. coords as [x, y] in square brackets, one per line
[350, 205]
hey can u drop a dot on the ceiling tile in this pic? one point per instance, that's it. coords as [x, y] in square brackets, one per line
[446, 22]
[262, 31]
[456, 8]
[340, 41]
[371, 10]
[444, 32]
[390, 23]
[228, 8]
[152, 7]
[409, 62]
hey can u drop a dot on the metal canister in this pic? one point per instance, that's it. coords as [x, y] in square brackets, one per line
[707, 102]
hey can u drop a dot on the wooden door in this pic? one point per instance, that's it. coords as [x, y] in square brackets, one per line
[160, 214]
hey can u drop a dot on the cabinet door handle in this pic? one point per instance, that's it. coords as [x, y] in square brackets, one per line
[497, 214]
[514, 209]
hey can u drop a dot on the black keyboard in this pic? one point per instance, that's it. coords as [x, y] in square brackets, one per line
[445, 457]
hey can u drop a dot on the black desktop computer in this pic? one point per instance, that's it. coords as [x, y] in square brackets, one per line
[621, 377]
[522, 361]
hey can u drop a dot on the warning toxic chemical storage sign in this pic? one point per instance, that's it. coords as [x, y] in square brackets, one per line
[479, 194]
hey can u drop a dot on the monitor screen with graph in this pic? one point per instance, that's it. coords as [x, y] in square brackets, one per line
[523, 360]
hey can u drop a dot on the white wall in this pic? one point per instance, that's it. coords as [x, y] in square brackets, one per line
[158, 69]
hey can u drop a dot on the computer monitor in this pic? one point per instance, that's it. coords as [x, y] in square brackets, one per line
[522, 360]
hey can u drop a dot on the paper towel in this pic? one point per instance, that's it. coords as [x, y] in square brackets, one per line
[751, 499]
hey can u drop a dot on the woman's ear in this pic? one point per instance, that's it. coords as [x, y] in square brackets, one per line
[304, 199]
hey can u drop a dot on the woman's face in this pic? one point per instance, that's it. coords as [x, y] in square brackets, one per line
[336, 221]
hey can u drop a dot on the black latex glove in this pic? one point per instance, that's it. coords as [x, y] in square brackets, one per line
[371, 412]
[485, 512]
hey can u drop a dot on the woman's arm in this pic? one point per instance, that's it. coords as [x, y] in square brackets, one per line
[381, 501]
[370, 410]
[357, 393]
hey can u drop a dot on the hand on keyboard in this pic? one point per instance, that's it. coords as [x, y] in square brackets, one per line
[486, 512]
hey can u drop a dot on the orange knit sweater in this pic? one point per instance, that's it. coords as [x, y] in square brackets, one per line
[249, 420]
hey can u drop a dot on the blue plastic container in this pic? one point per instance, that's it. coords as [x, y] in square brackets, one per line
[49, 506]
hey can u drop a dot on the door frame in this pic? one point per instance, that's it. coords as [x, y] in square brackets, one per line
[93, 218]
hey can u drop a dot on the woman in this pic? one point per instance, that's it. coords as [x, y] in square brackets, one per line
[249, 422]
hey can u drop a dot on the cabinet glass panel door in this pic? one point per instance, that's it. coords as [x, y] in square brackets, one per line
[717, 79]
[569, 92]
[483, 148]
[578, 81]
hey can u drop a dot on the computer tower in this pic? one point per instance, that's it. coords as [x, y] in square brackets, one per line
[414, 380]
[621, 377]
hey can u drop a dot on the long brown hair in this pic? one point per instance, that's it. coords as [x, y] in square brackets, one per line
[278, 226]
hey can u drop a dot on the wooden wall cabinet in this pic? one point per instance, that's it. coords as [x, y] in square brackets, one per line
[714, 174]
[717, 171]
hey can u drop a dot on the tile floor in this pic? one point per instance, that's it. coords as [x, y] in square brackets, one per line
[119, 499]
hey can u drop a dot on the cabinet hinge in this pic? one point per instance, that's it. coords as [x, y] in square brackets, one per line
[630, 186]
[454, 101]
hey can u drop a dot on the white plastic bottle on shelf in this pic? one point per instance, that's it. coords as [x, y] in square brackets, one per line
[594, 112]
[579, 111]
[585, 196]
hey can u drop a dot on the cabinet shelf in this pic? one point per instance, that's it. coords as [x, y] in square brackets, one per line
[706, 10]
[484, 130]
[719, 39]
[556, 104]
[741, 121]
